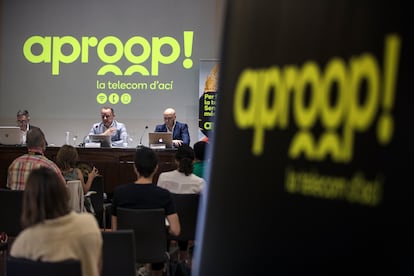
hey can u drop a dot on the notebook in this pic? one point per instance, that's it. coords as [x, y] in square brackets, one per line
[104, 140]
[10, 135]
[160, 140]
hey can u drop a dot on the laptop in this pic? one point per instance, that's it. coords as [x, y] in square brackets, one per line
[160, 140]
[104, 140]
[10, 135]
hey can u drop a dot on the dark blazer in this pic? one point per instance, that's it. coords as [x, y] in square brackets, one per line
[33, 127]
[180, 131]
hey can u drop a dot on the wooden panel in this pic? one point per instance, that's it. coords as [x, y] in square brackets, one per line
[114, 164]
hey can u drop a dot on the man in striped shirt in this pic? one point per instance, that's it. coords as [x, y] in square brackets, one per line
[20, 168]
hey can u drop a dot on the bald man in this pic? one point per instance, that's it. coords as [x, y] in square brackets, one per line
[179, 130]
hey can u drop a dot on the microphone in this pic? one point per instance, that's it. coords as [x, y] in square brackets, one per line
[82, 145]
[140, 138]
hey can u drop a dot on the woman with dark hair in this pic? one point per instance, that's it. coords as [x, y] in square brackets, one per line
[182, 181]
[52, 232]
[66, 159]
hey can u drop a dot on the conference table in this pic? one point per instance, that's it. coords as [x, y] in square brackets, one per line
[114, 164]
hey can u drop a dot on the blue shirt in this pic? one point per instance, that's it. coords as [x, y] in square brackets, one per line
[116, 138]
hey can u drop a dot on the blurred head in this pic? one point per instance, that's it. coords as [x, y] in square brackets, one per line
[66, 157]
[169, 117]
[200, 150]
[107, 115]
[23, 119]
[36, 139]
[185, 159]
[45, 197]
[146, 161]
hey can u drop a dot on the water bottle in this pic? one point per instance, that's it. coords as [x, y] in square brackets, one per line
[125, 141]
[67, 138]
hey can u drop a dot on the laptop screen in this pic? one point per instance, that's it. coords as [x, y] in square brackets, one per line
[105, 140]
[159, 140]
[10, 135]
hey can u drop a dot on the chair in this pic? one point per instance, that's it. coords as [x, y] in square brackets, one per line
[97, 199]
[76, 199]
[107, 208]
[150, 233]
[22, 266]
[119, 253]
[11, 202]
[187, 210]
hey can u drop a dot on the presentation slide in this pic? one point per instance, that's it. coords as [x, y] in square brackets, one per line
[64, 60]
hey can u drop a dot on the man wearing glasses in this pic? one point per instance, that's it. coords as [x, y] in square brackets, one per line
[23, 119]
[109, 126]
[179, 130]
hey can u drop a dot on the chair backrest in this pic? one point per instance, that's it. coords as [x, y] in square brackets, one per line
[76, 199]
[98, 198]
[22, 266]
[187, 210]
[150, 232]
[11, 202]
[118, 253]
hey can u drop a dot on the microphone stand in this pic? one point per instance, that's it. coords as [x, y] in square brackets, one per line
[82, 145]
[140, 145]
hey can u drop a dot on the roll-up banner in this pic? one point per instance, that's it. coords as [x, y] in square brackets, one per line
[311, 168]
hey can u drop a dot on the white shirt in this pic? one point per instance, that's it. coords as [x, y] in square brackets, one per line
[179, 183]
[23, 134]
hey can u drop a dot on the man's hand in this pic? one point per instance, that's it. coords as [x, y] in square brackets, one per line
[110, 131]
[177, 143]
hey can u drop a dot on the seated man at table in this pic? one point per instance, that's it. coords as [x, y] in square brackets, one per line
[109, 126]
[20, 168]
[178, 129]
[23, 121]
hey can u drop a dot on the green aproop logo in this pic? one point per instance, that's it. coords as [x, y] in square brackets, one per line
[50, 49]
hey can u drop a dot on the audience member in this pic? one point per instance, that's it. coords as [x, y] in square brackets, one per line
[20, 168]
[109, 126]
[23, 121]
[52, 232]
[179, 130]
[182, 181]
[200, 158]
[66, 159]
[144, 194]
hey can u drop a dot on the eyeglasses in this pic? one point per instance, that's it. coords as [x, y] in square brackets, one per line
[168, 118]
[22, 122]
